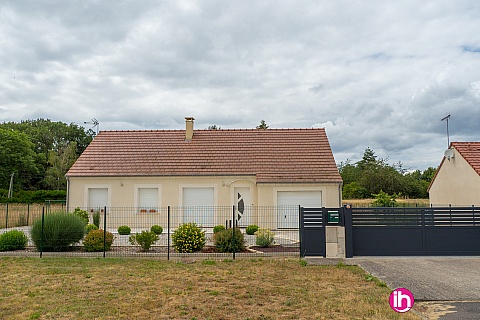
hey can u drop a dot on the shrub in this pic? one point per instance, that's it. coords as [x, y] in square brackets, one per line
[383, 199]
[13, 240]
[251, 229]
[156, 229]
[61, 231]
[188, 238]
[124, 230]
[145, 239]
[94, 240]
[91, 227]
[265, 238]
[218, 228]
[96, 218]
[81, 214]
[229, 240]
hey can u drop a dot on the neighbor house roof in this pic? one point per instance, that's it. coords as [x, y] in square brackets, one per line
[272, 155]
[470, 151]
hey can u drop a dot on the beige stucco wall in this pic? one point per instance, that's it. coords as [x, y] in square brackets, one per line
[122, 197]
[456, 183]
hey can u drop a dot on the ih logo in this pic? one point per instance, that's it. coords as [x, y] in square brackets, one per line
[401, 300]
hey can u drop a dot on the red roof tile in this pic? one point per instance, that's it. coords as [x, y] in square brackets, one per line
[470, 151]
[273, 155]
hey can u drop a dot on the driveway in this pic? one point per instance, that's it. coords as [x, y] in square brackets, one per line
[443, 287]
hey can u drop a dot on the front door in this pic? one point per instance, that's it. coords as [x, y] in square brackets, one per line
[243, 206]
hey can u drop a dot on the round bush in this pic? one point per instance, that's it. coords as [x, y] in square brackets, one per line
[251, 229]
[188, 238]
[94, 241]
[156, 229]
[124, 230]
[145, 239]
[82, 214]
[218, 228]
[229, 240]
[61, 231]
[13, 240]
[265, 238]
[91, 227]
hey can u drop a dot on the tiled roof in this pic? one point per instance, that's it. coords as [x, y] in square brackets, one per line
[470, 151]
[273, 155]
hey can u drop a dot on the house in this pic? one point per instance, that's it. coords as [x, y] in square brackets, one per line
[457, 181]
[135, 173]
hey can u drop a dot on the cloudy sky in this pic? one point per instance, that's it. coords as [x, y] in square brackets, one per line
[378, 74]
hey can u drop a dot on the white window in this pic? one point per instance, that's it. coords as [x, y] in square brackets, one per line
[148, 199]
[97, 198]
[198, 205]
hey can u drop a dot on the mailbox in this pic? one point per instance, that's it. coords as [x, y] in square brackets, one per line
[333, 216]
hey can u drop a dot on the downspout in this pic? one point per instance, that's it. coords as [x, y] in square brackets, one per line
[68, 194]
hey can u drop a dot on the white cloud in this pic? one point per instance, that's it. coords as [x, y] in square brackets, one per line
[379, 76]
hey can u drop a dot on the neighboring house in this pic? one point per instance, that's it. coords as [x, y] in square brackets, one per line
[457, 181]
[201, 170]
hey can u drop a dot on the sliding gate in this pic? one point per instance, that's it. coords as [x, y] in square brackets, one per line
[414, 231]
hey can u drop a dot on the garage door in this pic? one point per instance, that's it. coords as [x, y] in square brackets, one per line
[198, 206]
[288, 202]
[97, 198]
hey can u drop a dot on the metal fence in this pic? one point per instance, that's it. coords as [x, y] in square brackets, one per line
[281, 221]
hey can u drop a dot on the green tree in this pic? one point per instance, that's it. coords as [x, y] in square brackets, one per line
[55, 145]
[214, 127]
[371, 176]
[262, 125]
[59, 162]
[17, 157]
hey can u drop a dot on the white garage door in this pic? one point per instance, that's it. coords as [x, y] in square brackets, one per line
[97, 198]
[288, 202]
[198, 206]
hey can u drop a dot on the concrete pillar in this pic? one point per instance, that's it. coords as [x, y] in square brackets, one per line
[335, 241]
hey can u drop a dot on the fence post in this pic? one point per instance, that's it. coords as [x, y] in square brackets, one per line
[42, 234]
[104, 230]
[473, 212]
[233, 231]
[300, 234]
[6, 218]
[168, 233]
[348, 223]
[28, 213]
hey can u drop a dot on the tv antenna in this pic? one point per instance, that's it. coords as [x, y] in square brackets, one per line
[94, 122]
[446, 118]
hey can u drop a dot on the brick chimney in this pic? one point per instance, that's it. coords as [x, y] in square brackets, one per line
[189, 128]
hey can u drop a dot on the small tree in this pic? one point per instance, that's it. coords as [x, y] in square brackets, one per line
[383, 199]
[262, 125]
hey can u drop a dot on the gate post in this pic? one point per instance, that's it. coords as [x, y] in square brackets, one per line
[300, 231]
[347, 219]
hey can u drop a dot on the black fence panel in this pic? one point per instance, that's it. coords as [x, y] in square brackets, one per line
[275, 241]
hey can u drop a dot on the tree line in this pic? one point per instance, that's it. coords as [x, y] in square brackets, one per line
[372, 176]
[38, 153]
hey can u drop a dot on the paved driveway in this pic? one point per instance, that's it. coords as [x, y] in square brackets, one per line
[429, 278]
[444, 287]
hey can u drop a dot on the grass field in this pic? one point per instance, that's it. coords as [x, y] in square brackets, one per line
[363, 203]
[56, 288]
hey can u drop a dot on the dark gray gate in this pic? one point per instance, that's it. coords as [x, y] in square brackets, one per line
[312, 231]
[413, 231]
